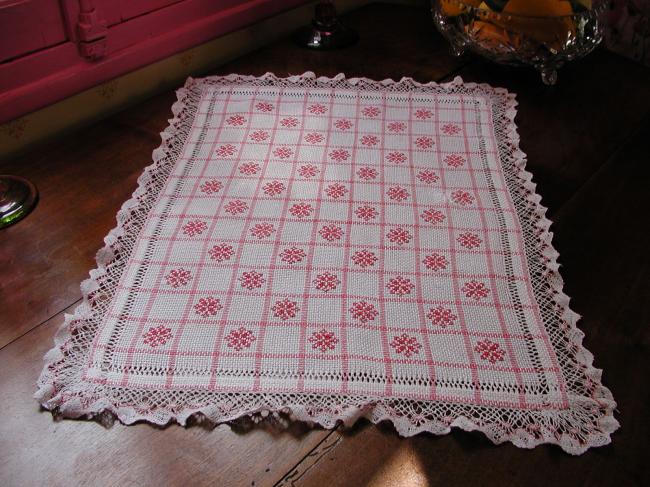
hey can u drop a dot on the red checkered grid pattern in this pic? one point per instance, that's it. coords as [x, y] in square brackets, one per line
[153, 336]
[335, 248]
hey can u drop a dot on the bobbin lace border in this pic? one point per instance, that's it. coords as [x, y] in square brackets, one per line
[587, 422]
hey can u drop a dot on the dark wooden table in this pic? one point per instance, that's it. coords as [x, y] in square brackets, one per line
[587, 145]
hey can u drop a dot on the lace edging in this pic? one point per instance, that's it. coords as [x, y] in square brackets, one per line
[587, 422]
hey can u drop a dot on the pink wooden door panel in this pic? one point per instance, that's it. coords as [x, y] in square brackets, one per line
[98, 40]
[110, 11]
[29, 25]
[179, 16]
[133, 8]
[118, 11]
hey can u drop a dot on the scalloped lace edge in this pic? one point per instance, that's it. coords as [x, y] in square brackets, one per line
[587, 422]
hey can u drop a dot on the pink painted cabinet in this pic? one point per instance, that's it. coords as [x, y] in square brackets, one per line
[29, 25]
[51, 49]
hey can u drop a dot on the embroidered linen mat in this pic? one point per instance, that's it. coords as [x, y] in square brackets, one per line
[334, 249]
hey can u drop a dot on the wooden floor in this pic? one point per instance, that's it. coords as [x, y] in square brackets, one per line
[587, 145]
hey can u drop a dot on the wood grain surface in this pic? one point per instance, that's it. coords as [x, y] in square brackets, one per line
[587, 146]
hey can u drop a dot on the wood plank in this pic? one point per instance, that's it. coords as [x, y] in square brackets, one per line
[83, 180]
[39, 451]
[569, 130]
[393, 42]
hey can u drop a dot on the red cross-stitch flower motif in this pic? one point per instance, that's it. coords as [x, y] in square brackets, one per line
[251, 280]
[363, 311]
[451, 129]
[314, 138]
[490, 351]
[343, 124]
[454, 160]
[283, 152]
[292, 255]
[285, 309]
[396, 157]
[273, 188]
[211, 186]
[435, 262]
[178, 277]
[326, 281]
[433, 216]
[226, 150]
[323, 340]
[207, 306]
[462, 198]
[399, 235]
[370, 112]
[366, 213]
[339, 155]
[262, 230]
[235, 207]
[369, 140]
[240, 338]
[221, 252]
[427, 176]
[406, 345]
[249, 168]
[259, 135]
[469, 240]
[424, 143]
[194, 227]
[397, 193]
[336, 190]
[308, 171]
[289, 122]
[364, 258]
[400, 286]
[301, 210]
[236, 120]
[264, 106]
[158, 335]
[331, 232]
[317, 109]
[475, 290]
[396, 127]
[423, 114]
[442, 317]
[367, 173]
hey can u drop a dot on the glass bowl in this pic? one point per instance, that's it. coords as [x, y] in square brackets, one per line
[544, 34]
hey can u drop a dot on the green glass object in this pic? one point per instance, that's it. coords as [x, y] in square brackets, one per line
[17, 198]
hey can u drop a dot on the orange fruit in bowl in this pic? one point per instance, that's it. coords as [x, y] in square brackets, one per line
[494, 5]
[454, 7]
[546, 22]
[538, 8]
[492, 35]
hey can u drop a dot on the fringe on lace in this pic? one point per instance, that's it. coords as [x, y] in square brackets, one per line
[587, 422]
